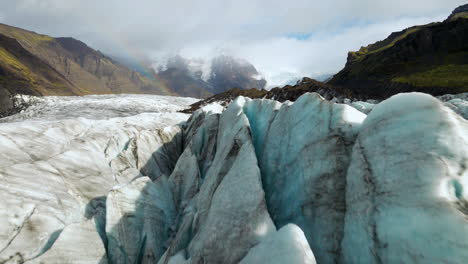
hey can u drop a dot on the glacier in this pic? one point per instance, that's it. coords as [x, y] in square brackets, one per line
[128, 179]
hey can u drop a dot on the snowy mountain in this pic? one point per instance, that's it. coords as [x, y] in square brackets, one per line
[228, 72]
[127, 179]
[203, 78]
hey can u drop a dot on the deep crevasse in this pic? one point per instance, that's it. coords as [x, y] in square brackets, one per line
[265, 182]
[363, 190]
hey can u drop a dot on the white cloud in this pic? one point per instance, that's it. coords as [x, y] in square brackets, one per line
[282, 58]
[254, 29]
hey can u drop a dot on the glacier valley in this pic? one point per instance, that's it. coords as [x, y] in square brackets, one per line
[128, 179]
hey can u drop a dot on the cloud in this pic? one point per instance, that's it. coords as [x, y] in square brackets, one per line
[282, 38]
[324, 52]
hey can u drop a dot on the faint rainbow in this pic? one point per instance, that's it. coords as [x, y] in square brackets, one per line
[135, 54]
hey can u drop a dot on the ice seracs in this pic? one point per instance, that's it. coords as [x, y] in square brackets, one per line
[139, 219]
[229, 192]
[406, 185]
[287, 245]
[257, 182]
[303, 154]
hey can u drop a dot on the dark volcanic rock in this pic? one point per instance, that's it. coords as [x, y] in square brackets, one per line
[287, 93]
[11, 104]
[307, 85]
[432, 58]
[6, 104]
[460, 9]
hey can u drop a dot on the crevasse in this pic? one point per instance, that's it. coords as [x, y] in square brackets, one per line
[304, 182]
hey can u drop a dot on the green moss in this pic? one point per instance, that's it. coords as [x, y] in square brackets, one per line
[27, 37]
[11, 62]
[452, 76]
[364, 51]
[460, 15]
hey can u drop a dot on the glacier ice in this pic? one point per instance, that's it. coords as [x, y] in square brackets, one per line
[76, 243]
[138, 220]
[303, 151]
[406, 185]
[287, 245]
[230, 205]
[57, 169]
[257, 182]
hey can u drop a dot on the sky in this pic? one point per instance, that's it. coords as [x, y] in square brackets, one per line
[284, 39]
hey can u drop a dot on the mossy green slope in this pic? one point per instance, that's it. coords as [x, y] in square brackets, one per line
[432, 58]
[83, 70]
[22, 72]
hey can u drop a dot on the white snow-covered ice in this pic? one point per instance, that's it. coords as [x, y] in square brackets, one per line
[127, 179]
[98, 107]
[457, 102]
[61, 157]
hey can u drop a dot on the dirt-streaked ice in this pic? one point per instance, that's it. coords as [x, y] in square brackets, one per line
[406, 195]
[61, 157]
[128, 180]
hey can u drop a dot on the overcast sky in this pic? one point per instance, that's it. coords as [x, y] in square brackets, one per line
[281, 38]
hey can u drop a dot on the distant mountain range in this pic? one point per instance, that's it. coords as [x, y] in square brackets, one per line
[31, 63]
[201, 78]
[431, 58]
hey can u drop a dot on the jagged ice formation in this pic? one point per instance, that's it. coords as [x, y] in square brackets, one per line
[260, 182]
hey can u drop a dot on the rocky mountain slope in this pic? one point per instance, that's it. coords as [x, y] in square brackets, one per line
[432, 58]
[228, 72]
[6, 103]
[260, 182]
[202, 79]
[23, 72]
[183, 78]
[459, 12]
[193, 78]
[31, 63]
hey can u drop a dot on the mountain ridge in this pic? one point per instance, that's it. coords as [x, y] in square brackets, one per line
[431, 58]
[207, 78]
[85, 70]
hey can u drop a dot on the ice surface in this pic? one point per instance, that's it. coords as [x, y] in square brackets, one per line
[303, 152]
[228, 215]
[98, 107]
[214, 108]
[138, 221]
[405, 195]
[287, 245]
[457, 102]
[459, 106]
[364, 107]
[258, 182]
[56, 168]
[71, 244]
